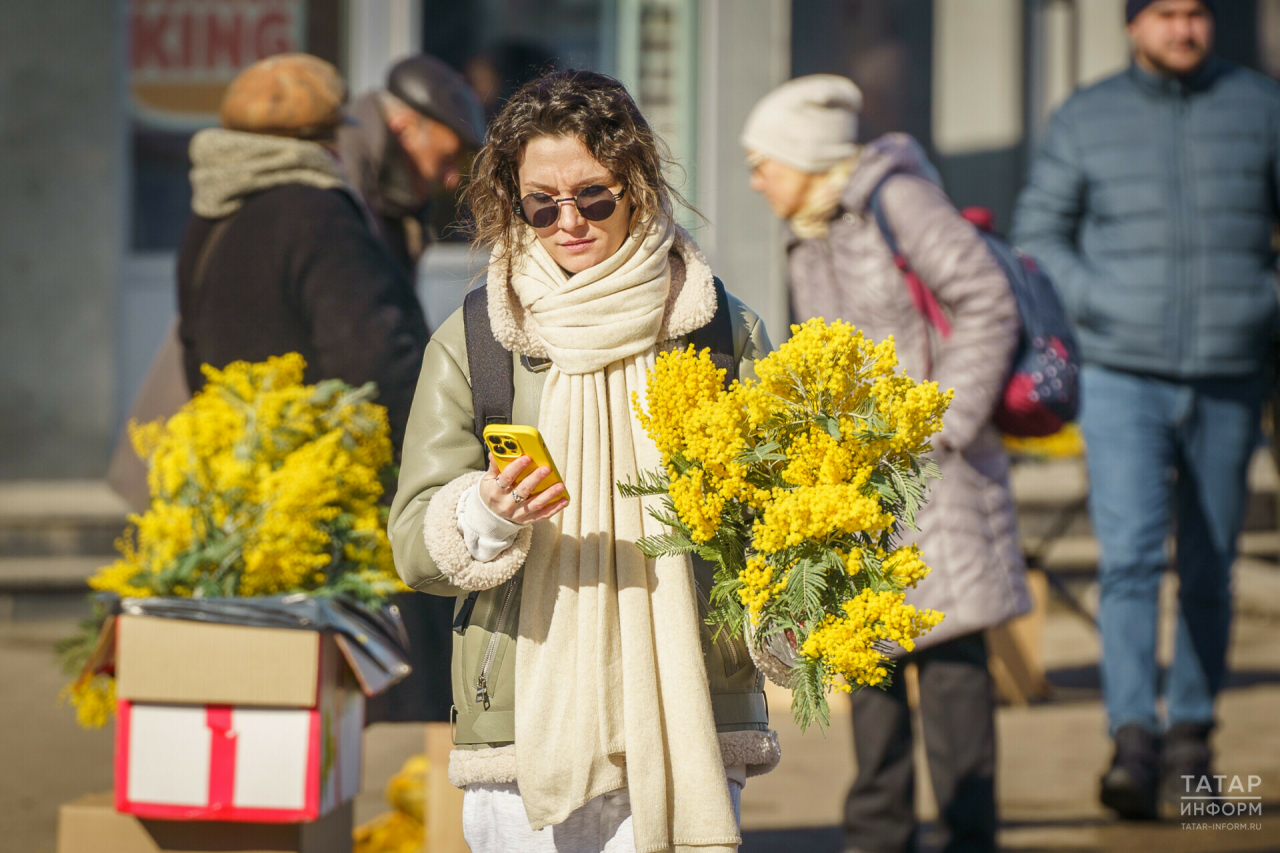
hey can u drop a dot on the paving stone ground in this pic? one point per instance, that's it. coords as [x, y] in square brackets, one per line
[1051, 754]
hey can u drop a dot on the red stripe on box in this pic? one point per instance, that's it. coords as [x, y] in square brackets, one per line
[212, 811]
[222, 757]
[243, 815]
[123, 707]
[314, 735]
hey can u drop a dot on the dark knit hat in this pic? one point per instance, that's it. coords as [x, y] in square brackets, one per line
[1133, 8]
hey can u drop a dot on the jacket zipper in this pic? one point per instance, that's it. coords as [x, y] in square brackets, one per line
[725, 643]
[1182, 230]
[482, 683]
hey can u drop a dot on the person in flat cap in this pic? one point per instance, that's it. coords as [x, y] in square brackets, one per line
[406, 143]
[801, 142]
[1152, 205]
[279, 254]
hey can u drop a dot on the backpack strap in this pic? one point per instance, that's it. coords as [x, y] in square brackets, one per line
[491, 399]
[493, 376]
[718, 337]
[921, 296]
[493, 391]
[201, 269]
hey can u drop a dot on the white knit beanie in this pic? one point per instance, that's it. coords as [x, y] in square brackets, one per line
[810, 122]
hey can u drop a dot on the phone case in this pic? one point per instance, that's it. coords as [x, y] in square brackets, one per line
[508, 442]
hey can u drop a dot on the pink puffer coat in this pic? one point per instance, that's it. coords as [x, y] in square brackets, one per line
[967, 530]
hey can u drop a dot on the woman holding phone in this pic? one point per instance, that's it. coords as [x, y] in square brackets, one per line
[594, 708]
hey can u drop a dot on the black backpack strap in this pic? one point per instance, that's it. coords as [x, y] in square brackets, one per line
[492, 392]
[718, 337]
[489, 363]
[201, 269]
[492, 398]
[876, 205]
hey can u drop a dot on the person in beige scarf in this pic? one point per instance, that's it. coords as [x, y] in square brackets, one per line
[623, 732]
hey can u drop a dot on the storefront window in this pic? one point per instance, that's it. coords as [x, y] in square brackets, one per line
[648, 44]
[183, 53]
[499, 45]
[885, 46]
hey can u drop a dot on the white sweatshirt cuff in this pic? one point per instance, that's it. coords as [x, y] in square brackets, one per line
[486, 533]
[448, 548]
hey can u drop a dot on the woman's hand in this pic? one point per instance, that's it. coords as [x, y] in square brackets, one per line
[500, 495]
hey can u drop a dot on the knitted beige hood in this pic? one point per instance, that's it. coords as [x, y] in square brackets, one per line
[229, 165]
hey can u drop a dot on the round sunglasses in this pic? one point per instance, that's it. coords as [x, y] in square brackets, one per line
[594, 203]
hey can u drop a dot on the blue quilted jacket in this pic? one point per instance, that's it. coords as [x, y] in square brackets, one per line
[1152, 206]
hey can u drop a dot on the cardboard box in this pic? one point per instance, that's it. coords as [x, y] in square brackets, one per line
[443, 806]
[92, 825]
[233, 723]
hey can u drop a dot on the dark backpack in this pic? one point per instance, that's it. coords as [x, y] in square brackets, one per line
[1042, 393]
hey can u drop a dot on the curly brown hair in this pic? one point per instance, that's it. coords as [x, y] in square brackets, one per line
[596, 109]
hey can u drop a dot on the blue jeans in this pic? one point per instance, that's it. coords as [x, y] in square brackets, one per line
[1166, 453]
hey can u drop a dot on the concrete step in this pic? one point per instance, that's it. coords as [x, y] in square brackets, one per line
[55, 533]
[1067, 554]
[1051, 498]
[1078, 554]
[31, 575]
[59, 518]
[48, 499]
[1047, 484]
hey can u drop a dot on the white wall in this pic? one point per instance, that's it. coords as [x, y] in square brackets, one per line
[62, 213]
[1075, 43]
[379, 32]
[977, 75]
[1104, 47]
[745, 52]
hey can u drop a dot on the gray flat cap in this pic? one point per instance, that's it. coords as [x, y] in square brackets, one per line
[438, 92]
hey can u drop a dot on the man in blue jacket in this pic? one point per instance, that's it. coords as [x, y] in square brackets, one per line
[1152, 206]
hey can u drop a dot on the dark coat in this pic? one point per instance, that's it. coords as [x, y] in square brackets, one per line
[382, 174]
[1151, 206]
[297, 269]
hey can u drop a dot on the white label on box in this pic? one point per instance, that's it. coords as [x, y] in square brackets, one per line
[271, 757]
[169, 747]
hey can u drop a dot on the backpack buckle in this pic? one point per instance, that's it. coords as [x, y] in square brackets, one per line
[535, 365]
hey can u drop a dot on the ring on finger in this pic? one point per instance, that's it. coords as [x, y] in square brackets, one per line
[517, 497]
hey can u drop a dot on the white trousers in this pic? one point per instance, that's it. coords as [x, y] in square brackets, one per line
[494, 821]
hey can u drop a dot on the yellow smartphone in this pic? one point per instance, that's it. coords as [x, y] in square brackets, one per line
[508, 442]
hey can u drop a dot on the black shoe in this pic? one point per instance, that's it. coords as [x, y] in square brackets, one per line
[1129, 787]
[1186, 765]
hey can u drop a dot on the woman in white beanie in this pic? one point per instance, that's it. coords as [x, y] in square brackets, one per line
[801, 144]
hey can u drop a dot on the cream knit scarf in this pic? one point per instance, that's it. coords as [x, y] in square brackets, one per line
[611, 688]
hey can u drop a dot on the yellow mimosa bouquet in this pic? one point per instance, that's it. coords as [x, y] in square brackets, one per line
[260, 485]
[797, 486]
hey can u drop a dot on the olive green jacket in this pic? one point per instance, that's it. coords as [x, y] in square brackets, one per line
[441, 448]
